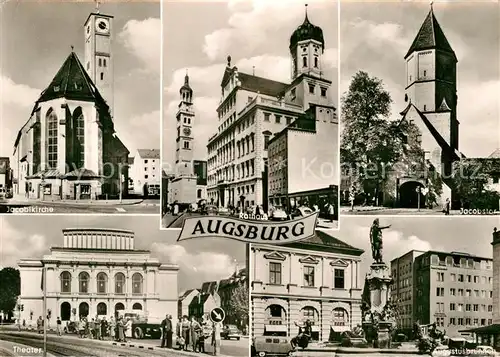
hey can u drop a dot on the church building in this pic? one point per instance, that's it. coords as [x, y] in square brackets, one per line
[431, 94]
[68, 148]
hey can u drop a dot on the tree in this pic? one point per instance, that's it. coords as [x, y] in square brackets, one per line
[10, 289]
[238, 306]
[470, 178]
[370, 143]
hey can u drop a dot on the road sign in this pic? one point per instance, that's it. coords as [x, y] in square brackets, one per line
[217, 315]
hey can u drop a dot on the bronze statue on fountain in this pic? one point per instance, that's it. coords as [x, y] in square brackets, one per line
[378, 311]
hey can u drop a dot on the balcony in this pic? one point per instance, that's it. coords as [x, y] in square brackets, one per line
[270, 103]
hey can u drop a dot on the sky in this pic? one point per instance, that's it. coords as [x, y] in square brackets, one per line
[198, 260]
[199, 37]
[35, 40]
[446, 234]
[375, 37]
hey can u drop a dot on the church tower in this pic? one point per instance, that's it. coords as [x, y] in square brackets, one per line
[185, 122]
[99, 54]
[431, 80]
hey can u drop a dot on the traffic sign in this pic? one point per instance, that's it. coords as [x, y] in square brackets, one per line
[217, 315]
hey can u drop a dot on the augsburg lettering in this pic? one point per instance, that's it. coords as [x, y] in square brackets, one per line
[249, 231]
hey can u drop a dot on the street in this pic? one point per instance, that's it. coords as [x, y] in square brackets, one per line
[143, 207]
[70, 345]
[170, 221]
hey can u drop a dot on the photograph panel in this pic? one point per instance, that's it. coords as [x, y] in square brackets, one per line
[80, 107]
[250, 126]
[113, 285]
[389, 286]
[413, 141]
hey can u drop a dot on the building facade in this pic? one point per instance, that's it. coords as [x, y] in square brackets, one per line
[316, 279]
[252, 110]
[496, 277]
[184, 301]
[402, 269]
[144, 172]
[454, 290]
[97, 272]
[68, 148]
[5, 173]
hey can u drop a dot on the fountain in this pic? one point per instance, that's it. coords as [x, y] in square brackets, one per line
[377, 309]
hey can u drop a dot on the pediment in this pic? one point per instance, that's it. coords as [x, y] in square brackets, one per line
[309, 260]
[339, 263]
[275, 256]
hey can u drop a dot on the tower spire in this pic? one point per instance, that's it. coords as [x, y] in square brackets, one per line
[432, 3]
[97, 3]
[186, 78]
[306, 19]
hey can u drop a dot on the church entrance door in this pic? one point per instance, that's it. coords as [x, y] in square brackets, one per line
[408, 195]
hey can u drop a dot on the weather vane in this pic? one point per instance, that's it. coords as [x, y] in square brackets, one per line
[432, 3]
[97, 3]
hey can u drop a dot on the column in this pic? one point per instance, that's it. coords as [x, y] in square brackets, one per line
[324, 281]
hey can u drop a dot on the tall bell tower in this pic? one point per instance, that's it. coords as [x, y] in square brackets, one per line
[185, 123]
[98, 32]
[431, 78]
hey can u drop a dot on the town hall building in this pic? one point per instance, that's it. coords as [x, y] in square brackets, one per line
[68, 148]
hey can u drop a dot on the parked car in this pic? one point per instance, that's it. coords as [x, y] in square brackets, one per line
[278, 214]
[9, 193]
[210, 210]
[485, 351]
[229, 332]
[223, 211]
[301, 212]
[272, 346]
[71, 327]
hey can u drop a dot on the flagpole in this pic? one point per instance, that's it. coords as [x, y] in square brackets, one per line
[44, 312]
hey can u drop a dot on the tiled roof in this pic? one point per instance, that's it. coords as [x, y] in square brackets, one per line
[208, 287]
[262, 85]
[323, 241]
[430, 36]
[72, 82]
[149, 153]
[186, 293]
[81, 173]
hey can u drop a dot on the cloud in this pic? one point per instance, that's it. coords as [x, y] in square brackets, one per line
[143, 39]
[141, 131]
[16, 245]
[196, 267]
[250, 24]
[16, 94]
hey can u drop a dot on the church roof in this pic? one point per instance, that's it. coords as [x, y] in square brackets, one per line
[82, 173]
[263, 85]
[495, 154]
[430, 36]
[307, 31]
[72, 82]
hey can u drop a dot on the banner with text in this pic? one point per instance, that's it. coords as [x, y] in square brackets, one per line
[249, 231]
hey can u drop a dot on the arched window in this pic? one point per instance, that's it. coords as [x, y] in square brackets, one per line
[102, 309]
[83, 309]
[310, 313]
[316, 62]
[137, 306]
[198, 195]
[304, 61]
[104, 62]
[275, 315]
[137, 283]
[79, 125]
[119, 306]
[65, 311]
[102, 283]
[65, 282]
[102, 76]
[100, 62]
[83, 280]
[119, 283]
[340, 317]
[51, 133]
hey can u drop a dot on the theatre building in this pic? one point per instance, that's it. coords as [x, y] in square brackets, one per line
[97, 272]
[315, 279]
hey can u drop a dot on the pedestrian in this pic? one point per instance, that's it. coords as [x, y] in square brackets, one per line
[120, 325]
[176, 209]
[104, 328]
[97, 328]
[112, 328]
[185, 330]
[39, 325]
[164, 332]
[91, 328]
[447, 207]
[331, 212]
[81, 327]
[195, 333]
[216, 329]
[128, 328]
[58, 328]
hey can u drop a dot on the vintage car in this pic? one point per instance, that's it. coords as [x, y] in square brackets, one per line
[301, 212]
[272, 346]
[278, 214]
[210, 210]
[229, 332]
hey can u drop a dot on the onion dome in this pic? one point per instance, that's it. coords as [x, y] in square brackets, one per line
[307, 31]
[186, 86]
